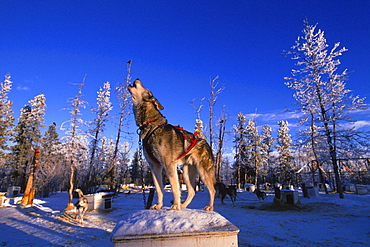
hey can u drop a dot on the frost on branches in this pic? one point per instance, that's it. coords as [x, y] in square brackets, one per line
[6, 118]
[321, 93]
[254, 149]
[284, 142]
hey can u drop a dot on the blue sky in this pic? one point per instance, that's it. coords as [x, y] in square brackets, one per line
[176, 47]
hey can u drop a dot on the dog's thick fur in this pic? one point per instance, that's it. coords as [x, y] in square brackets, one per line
[260, 194]
[163, 145]
[81, 206]
[226, 190]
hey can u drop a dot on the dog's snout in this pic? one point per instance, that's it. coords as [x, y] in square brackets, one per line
[136, 81]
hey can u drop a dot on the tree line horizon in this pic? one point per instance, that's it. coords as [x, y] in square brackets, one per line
[84, 158]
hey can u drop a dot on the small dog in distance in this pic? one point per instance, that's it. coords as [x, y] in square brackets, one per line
[260, 194]
[81, 206]
[226, 190]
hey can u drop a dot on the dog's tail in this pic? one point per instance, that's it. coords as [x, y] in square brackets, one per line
[80, 194]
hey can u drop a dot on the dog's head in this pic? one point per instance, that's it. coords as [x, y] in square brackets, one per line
[141, 95]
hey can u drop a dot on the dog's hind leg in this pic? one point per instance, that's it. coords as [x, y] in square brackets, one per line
[189, 175]
[157, 178]
[223, 195]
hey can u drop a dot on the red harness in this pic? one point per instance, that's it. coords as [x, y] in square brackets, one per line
[192, 140]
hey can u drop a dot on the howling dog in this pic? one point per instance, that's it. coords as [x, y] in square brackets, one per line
[81, 206]
[166, 146]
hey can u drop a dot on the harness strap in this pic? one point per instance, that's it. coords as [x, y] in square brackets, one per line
[146, 143]
[146, 124]
[193, 141]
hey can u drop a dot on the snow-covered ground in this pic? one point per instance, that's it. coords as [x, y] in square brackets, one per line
[322, 221]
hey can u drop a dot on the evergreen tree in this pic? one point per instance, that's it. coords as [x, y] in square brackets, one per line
[122, 168]
[38, 109]
[284, 141]
[135, 169]
[241, 157]
[6, 118]
[27, 136]
[267, 145]
[253, 148]
[21, 150]
[32, 122]
[50, 174]
[104, 158]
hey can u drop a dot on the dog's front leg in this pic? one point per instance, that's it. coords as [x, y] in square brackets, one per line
[174, 181]
[189, 175]
[157, 178]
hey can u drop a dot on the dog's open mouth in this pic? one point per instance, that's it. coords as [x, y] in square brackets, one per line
[135, 89]
[134, 84]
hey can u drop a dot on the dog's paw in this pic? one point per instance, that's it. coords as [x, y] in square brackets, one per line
[208, 208]
[155, 207]
[175, 207]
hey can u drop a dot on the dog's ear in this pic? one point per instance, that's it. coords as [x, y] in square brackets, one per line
[157, 104]
[155, 101]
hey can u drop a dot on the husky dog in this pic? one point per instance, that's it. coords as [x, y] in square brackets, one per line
[166, 146]
[260, 194]
[227, 190]
[81, 206]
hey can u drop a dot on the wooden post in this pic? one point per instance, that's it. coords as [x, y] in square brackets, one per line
[304, 190]
[277, 193]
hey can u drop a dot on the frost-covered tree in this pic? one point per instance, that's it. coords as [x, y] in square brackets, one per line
[220, 143]
[27, 136]
[104, 106]
[227, 171]
[215, 91]
[320, 91]
[312, 142]
[32, 123]
[123, 97]
[135, 169]
[38, 110]
[267, 145]
[253, 148]
[6, 117]
[284, 144]
[122, 168]
[74, 146]
[241, 157]
[51, 174]
[21, 150]
[104, 158]
[198, 121]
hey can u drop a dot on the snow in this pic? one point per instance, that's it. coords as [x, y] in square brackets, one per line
[323, 221]
[170, 222]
